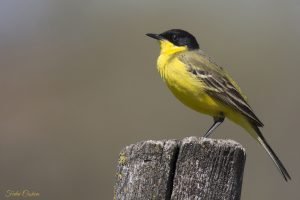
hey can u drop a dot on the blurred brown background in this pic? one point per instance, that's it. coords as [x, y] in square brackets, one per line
[79, 82]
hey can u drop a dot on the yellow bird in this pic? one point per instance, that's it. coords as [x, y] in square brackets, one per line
[201, 84]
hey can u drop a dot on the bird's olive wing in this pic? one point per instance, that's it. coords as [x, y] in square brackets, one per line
[220, 86]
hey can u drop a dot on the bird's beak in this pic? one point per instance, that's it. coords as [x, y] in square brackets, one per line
[155, 36]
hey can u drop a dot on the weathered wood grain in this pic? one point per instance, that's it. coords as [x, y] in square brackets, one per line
[145, 170]
[194, 168]
[209, 169]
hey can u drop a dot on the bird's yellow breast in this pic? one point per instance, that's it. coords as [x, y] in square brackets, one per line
[182, 83]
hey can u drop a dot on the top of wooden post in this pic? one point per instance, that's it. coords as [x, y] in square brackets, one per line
[193, 168]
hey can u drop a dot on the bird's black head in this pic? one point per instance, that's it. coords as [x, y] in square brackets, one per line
[177, 37]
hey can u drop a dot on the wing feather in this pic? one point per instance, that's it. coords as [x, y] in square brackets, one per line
[218, 84]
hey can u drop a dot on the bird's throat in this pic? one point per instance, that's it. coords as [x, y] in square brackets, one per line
[167, 52]
[167, 48]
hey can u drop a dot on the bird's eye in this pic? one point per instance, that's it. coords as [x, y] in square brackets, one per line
[174, 37]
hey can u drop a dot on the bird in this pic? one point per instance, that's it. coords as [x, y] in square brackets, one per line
[204, 86]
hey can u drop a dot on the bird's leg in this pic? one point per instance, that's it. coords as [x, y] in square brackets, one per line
[217, 121]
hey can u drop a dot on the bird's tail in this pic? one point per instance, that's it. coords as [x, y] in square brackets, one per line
[260, 138]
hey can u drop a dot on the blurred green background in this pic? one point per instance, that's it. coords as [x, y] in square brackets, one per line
[79, 82]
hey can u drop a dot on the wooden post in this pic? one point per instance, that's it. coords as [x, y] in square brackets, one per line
[193, 168]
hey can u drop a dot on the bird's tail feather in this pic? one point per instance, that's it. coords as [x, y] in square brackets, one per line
[260, 138]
